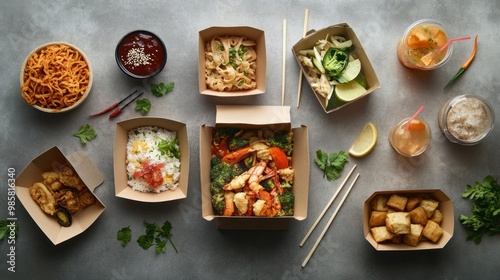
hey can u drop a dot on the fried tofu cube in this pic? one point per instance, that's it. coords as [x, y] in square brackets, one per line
[429, 205]
[413, 202]
[379, 203]
[397, 202]
[432, 231]
[380, 234]
[437, 217]
[397, 239]
[398, 222]
[415, 235]
[418, 216]
[377, 218]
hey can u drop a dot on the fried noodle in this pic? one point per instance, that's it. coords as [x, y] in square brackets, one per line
[230, 64]
[55, 77]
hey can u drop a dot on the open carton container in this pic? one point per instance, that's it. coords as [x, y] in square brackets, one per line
[250, 33]
[256, 117]
[445, 206]
[46, 162]
[120, 156]
[341, 29]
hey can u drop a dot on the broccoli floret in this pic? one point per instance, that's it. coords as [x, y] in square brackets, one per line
[268, 184]
[283, 140]
[218, 202]
[335, 61]
[220, 173]
[286, 185]
[224, 132]
[239, 168]
[236, 143]
[287, 201]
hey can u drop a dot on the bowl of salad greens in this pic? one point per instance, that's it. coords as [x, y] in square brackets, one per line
[335, 66]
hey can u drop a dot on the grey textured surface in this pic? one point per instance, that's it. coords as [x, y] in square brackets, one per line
[207, 253]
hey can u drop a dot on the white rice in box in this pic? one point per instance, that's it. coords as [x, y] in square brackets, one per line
[146, 161]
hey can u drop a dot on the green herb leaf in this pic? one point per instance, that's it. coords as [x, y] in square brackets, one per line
[157, 236]
[5, 229]
[85, 133]
[143, 105]
[145, 241]
[124, 235]
[332, 164]
[161, 89]
[170, 148]
[485, 217]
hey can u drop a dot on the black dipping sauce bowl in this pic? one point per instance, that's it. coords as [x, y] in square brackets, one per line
[141, 54]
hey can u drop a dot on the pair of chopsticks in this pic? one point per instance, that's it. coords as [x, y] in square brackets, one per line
[331, 219]
[119, 110]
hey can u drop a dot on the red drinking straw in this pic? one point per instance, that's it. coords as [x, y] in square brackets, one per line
[414, 116]
[453, 40]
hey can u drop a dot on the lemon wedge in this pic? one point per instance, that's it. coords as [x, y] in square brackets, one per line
[349, 91]
[365, 141]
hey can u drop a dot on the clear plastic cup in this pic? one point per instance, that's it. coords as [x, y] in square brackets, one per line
[420, 44]
[413, 141]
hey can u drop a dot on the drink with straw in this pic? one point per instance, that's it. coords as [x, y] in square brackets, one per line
[411, 136]
[411, 141]
[420, 47]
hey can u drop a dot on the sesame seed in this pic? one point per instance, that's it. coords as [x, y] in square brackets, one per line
[137, 57]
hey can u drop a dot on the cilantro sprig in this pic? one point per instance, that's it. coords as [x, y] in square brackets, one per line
[485, 216]
[85, 133]
[143, 106]
[155, 236]
[331, 164]
[161, 89]
[124, 235]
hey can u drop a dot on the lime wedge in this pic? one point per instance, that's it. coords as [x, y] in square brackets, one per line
[361, 80]
[350, 91]
[352, 70]
[333, 102]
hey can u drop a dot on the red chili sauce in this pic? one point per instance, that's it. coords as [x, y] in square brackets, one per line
[142, 53]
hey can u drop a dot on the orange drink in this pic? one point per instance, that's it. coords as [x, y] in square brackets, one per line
[411, 141]
[419, 47]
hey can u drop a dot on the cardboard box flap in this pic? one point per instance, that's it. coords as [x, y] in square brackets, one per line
[88, 172]
[253, 115]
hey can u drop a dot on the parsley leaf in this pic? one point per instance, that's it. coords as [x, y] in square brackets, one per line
[85, 133]
[143, 105]
[5, 229]
[161, 89]
[332, 164]
[485, 216]
[157, 236]
[124, 235]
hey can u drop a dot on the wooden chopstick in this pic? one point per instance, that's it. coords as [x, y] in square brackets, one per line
[327, 206]
[329, 223]
[284, 64]
[306, 19]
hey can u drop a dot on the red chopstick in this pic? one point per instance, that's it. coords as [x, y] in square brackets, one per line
[119, 110]
[112, 106]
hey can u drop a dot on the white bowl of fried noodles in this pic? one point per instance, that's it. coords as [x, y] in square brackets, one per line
[56, 77]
